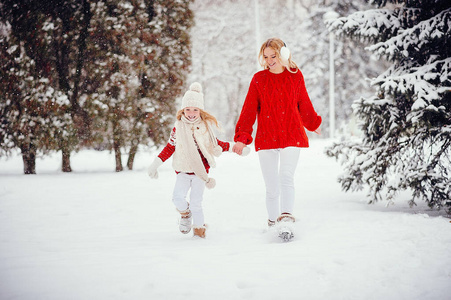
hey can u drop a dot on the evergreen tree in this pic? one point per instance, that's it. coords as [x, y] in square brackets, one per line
[163, 65]
[65, 35]
[140, 54]
[51, 35]
[407, 124]
[114, 67]
[33, 113]
[112, 81]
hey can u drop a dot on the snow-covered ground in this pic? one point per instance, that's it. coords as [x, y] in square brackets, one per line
[97, 234]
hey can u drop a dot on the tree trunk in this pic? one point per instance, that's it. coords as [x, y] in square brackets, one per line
[131, 156]
[66, 160]
[84, 32]
[117, 153]
[117, 134]
[29, 158]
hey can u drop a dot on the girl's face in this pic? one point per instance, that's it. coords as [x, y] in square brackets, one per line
[191, 113]
[270, 56]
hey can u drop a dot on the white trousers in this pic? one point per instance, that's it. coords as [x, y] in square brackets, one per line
[183, 184]
[278, 167]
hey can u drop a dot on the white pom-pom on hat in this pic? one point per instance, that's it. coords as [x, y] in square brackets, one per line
[195, 86]
[193, 97]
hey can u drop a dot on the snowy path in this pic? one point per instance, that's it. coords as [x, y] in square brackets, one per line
[95, 234]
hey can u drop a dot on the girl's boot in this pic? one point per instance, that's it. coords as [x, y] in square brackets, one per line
[200, 231]
[185, 221]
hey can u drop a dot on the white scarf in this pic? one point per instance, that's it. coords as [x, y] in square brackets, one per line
[193, 136]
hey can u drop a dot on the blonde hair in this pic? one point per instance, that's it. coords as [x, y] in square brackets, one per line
[205, 117]
[276, 44]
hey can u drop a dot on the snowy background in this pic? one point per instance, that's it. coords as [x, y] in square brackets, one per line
[228, 34]
[98, 234]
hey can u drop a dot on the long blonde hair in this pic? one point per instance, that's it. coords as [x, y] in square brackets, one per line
[276, 44]
[205, 116]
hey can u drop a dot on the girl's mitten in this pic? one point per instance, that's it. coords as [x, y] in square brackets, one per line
[152, 170]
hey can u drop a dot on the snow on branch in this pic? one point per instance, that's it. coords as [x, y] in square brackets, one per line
[417, 80]
[374, 24]
[415, 38]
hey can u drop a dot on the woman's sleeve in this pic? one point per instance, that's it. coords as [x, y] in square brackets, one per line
[243, 129]
[310, 118]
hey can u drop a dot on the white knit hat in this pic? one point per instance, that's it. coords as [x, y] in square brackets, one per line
[193, 97]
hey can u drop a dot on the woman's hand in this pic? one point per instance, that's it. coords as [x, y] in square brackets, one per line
[238, 148]
[318, 130]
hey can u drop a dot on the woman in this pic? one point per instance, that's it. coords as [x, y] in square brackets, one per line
[277, 97]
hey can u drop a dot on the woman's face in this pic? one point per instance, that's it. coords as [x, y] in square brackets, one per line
[191, 113]
[270, 56]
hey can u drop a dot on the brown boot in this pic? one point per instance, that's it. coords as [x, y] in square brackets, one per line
[200, 231]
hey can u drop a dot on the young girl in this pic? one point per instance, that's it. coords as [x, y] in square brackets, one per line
[278, 98]
[194, 146]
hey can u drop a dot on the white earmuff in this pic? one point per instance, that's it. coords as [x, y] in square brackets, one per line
[284, 53]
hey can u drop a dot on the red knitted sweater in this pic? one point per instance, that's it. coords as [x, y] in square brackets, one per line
[282, 107]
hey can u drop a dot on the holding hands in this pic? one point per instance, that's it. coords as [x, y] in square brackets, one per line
[241, 149]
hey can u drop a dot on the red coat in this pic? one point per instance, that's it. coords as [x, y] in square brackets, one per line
[282, 107]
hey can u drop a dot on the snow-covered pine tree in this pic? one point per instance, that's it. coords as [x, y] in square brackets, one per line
[140, 54]
[407, 124]
[163, 69]
[120, 65]
[52, 36]
[33, 115]
[112, 71]
[65, 30]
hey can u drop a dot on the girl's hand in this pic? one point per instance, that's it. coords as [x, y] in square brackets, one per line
[152, 170]
[238, 148]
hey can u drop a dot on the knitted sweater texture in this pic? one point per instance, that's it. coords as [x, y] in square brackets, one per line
[170, 148]
[282, 107]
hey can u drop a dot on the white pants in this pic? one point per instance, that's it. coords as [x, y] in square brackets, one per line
[182, 185]
[278, 167]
